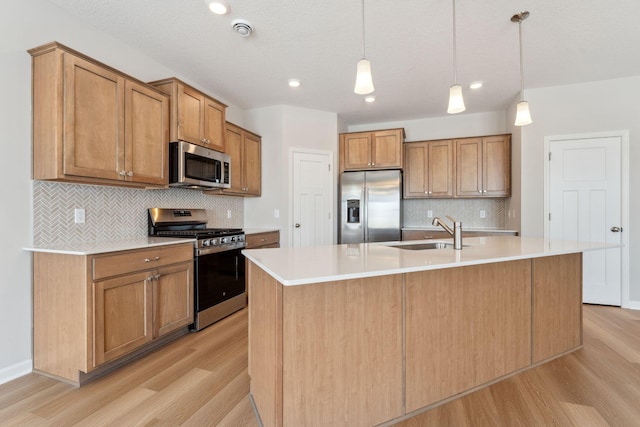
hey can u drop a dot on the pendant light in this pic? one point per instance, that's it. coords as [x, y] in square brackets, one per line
[364, 82]
[456, 103]
[523, 116]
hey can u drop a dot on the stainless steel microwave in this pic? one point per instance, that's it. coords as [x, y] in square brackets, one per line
[192, 166]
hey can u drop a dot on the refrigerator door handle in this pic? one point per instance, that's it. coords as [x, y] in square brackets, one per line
[365, 209]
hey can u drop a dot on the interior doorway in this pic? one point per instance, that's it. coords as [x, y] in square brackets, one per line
[587, 199]
[312, 197]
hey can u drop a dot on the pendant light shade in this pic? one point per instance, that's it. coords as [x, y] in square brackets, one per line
[364, 81]
[456, 102]
[523, 116]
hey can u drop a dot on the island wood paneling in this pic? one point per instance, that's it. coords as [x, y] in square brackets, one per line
[465, 327]
[557, 305]
[265, 344]
[342, 352]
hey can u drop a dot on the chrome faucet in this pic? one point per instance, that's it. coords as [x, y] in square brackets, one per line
[456, 233]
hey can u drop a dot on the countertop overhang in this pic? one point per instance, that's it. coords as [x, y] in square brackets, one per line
[300, 266]
[93, 248]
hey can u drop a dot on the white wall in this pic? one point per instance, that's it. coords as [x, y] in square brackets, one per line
[450, 126]
[27, 24]
[283, 128]
[576, 109]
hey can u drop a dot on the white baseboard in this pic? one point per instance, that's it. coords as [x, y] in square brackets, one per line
[633, 305]
[14, 371]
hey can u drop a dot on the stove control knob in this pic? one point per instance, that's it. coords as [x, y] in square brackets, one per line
[206, 243]
[233, 238]
[223, 240]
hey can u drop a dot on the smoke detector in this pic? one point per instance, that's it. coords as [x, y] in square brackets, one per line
[242, 27]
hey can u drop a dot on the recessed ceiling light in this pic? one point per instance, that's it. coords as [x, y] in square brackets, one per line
[218, 7]
[475, 85]
[370, 99]
[294, 82]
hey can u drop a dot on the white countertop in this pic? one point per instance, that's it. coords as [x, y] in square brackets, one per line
[474, 229]
[299, 266]
[92, 248]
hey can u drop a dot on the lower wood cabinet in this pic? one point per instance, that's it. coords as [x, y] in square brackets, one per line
[93, 309]
[268, 239]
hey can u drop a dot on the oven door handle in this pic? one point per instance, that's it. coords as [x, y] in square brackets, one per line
[216, 249]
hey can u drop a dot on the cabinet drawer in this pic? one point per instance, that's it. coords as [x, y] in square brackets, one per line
[263, 239]
[136, 260]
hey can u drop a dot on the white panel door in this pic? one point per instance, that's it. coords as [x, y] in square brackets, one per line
[585, 205]
[312, 197]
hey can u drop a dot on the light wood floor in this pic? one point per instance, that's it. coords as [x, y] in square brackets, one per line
[201, 380]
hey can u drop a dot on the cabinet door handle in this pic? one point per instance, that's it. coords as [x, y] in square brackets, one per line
[149, 259]
[616, 229]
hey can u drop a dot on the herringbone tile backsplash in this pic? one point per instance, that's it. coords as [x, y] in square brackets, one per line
[465, 210]
[113, 213]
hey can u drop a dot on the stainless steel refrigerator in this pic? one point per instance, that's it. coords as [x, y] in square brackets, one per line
[370, 206]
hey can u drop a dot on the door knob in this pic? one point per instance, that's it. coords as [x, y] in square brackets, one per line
[297, 225]
[616, 229]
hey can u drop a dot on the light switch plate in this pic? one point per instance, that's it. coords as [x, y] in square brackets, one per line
[483, 214]
[229, 213]
[429, 214]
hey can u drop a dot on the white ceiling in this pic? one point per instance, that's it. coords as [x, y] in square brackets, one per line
[409, 44]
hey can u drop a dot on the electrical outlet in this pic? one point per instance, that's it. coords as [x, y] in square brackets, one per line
[78, 215]
[483, 214]
[429, 214]
[228, 213]
[276, 213]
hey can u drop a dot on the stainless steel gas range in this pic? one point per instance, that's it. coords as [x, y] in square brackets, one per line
[219, 267]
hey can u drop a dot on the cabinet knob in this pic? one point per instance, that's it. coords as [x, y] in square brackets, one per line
[484, 191]
[297, 225]
[130, 173]
[122, 173]
[479, 191]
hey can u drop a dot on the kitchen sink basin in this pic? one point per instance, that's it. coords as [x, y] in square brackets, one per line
[426, 246]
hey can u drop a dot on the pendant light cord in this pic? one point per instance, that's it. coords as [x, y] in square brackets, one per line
[455, 65]
[363, 52]
[521, 67]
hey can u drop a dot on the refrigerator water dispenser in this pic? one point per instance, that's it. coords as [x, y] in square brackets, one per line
[353, 211]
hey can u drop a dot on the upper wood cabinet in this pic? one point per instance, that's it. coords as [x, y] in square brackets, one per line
[93, 124]
[483, 166]
[245, 149]
[428, 169]
[380, 149]
[195, 116]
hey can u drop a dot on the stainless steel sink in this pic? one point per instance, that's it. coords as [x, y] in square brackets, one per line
[423, 246]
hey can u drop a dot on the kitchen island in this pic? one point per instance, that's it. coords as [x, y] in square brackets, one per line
[368, 334]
